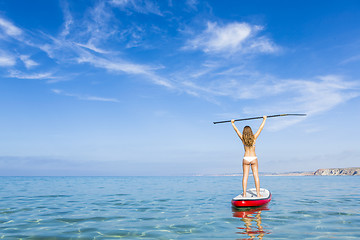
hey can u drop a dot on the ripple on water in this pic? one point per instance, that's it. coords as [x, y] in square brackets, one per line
[304, 213]
[120, 194]
[341, 213]
[182, 228]
[53, 196]
[47, 237]
[15, 210]
[143, 209]
[148, 218]
[120, 234]
[307, 202]
[91, 219]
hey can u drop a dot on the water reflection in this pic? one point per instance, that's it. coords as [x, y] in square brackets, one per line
[251, 218]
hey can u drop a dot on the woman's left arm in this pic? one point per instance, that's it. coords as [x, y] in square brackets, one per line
[260, 128]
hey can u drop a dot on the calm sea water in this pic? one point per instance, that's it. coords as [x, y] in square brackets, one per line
[176, 208]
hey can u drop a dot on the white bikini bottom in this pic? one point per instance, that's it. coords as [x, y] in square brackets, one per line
[250, 159]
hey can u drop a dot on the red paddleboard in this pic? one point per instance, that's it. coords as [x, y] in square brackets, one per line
[251, 199]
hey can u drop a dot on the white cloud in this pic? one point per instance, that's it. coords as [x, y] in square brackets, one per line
[192, 4]
[92, 48]
[351, 59]
[85, 97]
[81, 41]
[320, 96]
[125, 67]
[7, 60]
[91, 31]
[82, 45]
[231, 38]
[263, 44]
[228, 37]
[9, 29]
[68, 19]
[135, 35]
[101, 26]
[21, 75]
[140, 6]
[312, 96]
[28, 62]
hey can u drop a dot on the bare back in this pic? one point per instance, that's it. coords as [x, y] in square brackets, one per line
[249, 151]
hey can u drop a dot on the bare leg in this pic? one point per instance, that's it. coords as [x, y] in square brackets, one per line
[254, 168]
[246, 169]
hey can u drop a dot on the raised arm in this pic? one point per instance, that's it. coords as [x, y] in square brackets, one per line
[260, 128]
[236, 130]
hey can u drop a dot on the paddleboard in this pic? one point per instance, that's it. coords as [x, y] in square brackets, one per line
[251, 199]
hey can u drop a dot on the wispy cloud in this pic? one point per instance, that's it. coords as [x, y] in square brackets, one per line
[231, 38]
[140, 6]
[92, 47]
[81, 41]
[314, 95]
[125, 67]
[91, 31]
[9, 28]
[7, 60]
[101, 25]
[68, 19]
[84, 97]
[134, 35]
[192, 4]
[355, 58]
[29, 63]
[323, 94]
[22, 75]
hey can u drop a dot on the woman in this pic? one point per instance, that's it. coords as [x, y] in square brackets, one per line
[250, 159]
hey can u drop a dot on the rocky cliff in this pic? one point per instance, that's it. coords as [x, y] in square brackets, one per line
[338, 171]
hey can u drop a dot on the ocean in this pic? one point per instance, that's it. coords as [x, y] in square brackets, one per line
[308, 207]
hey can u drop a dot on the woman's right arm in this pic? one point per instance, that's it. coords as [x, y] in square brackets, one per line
[236, 130]
[260, 128]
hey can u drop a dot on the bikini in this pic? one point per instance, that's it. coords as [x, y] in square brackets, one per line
[250, 159]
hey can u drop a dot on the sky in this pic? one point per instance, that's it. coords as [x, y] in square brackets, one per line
[132, 87]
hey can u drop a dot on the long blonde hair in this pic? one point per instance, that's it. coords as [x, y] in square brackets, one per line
[248, 136]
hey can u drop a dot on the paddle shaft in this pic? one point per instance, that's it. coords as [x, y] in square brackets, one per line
[278, 115]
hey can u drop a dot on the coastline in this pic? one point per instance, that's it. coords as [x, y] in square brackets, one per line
[351, 171]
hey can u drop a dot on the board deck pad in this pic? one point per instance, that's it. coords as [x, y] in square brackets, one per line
[251, 194]
[251, 199]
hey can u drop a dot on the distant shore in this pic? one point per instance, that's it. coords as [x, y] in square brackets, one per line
[352, 171]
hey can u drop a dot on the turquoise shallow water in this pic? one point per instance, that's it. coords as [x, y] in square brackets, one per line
[176, 208]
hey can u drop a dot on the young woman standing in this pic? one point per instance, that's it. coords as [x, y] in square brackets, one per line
[250, 159]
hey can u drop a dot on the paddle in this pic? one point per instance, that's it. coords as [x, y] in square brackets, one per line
[278, 115]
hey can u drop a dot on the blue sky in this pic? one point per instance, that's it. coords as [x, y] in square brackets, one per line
[131, 87]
